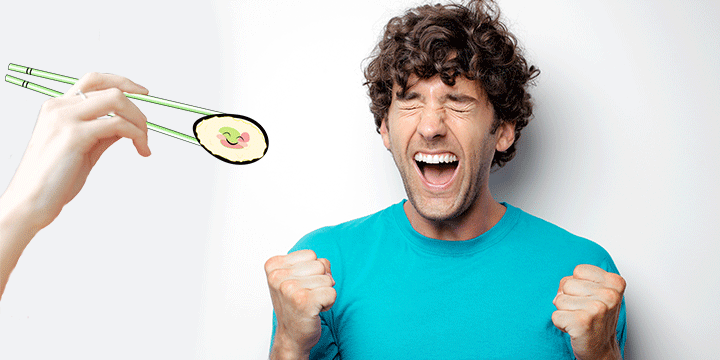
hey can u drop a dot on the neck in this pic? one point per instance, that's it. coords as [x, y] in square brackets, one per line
[480, 217]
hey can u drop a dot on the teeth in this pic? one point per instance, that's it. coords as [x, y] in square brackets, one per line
[435, 159]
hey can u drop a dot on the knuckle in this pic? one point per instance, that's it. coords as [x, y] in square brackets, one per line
[555, 316]
[91, 77]
[288, 287]
[277, 277]
[618, 281]
[329, 279]
[597, 308]
[583, 320]
[317, 267]
[558, 319]
[565, 285]
[302, 255]
[116, 94]
[614, 300]
[299, 298]
[608, 295]
[50, 105]
[584, 271]
[578, 270]
[563, 302]
[116, 120]
[273, 263]
[311, 255]
[120, 125]
[328, 299]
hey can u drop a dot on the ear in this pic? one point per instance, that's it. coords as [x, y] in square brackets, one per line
[504, 136]
[384, 133]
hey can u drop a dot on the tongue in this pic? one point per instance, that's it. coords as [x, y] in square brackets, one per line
[438, 174]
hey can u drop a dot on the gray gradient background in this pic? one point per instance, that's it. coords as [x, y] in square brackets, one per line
[163, 257]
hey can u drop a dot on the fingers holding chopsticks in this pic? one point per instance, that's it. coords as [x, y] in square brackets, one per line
[71, 134]
[95, 81]
[98, 95]
[112, 101]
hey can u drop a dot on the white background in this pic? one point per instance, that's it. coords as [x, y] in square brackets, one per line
[163, 257]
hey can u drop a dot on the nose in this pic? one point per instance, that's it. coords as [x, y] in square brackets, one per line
[432, 123]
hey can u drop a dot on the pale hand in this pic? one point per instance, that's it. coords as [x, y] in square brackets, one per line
[69, 137]
[588, 305]
[301, 286]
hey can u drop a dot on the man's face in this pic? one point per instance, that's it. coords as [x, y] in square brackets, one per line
[441, 143]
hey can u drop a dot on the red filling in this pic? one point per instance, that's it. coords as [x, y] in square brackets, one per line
[242, 141]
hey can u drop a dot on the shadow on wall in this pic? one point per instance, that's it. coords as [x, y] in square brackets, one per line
[513, 182]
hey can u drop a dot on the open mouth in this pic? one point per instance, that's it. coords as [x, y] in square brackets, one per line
[437, 169]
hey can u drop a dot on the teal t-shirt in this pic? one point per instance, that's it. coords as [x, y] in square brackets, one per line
[401, 295]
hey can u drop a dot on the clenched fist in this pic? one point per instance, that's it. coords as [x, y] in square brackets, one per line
[588, 304]
[301, 286]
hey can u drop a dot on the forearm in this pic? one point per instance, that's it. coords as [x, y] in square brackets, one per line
[16, 231]
[608, 353]
[284, 349]
[280, 354]
[614, 353]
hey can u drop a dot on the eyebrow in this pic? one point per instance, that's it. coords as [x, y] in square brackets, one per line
[458, 97]
[454, 97]
[406, 95]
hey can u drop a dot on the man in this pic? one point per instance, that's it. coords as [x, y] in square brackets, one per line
[450, 273]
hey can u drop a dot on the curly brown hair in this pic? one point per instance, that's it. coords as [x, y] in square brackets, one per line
[451, 40]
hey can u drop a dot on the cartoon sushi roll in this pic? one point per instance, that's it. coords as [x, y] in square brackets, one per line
[235, 139]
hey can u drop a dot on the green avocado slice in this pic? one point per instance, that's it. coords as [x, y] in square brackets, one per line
[231, 135]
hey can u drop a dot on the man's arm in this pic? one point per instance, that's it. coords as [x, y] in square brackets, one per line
[588, 305]
[69, 137]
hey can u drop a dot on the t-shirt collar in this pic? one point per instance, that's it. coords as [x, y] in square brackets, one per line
[456, 248]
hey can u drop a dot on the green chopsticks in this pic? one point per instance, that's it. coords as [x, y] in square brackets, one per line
[70, 80]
